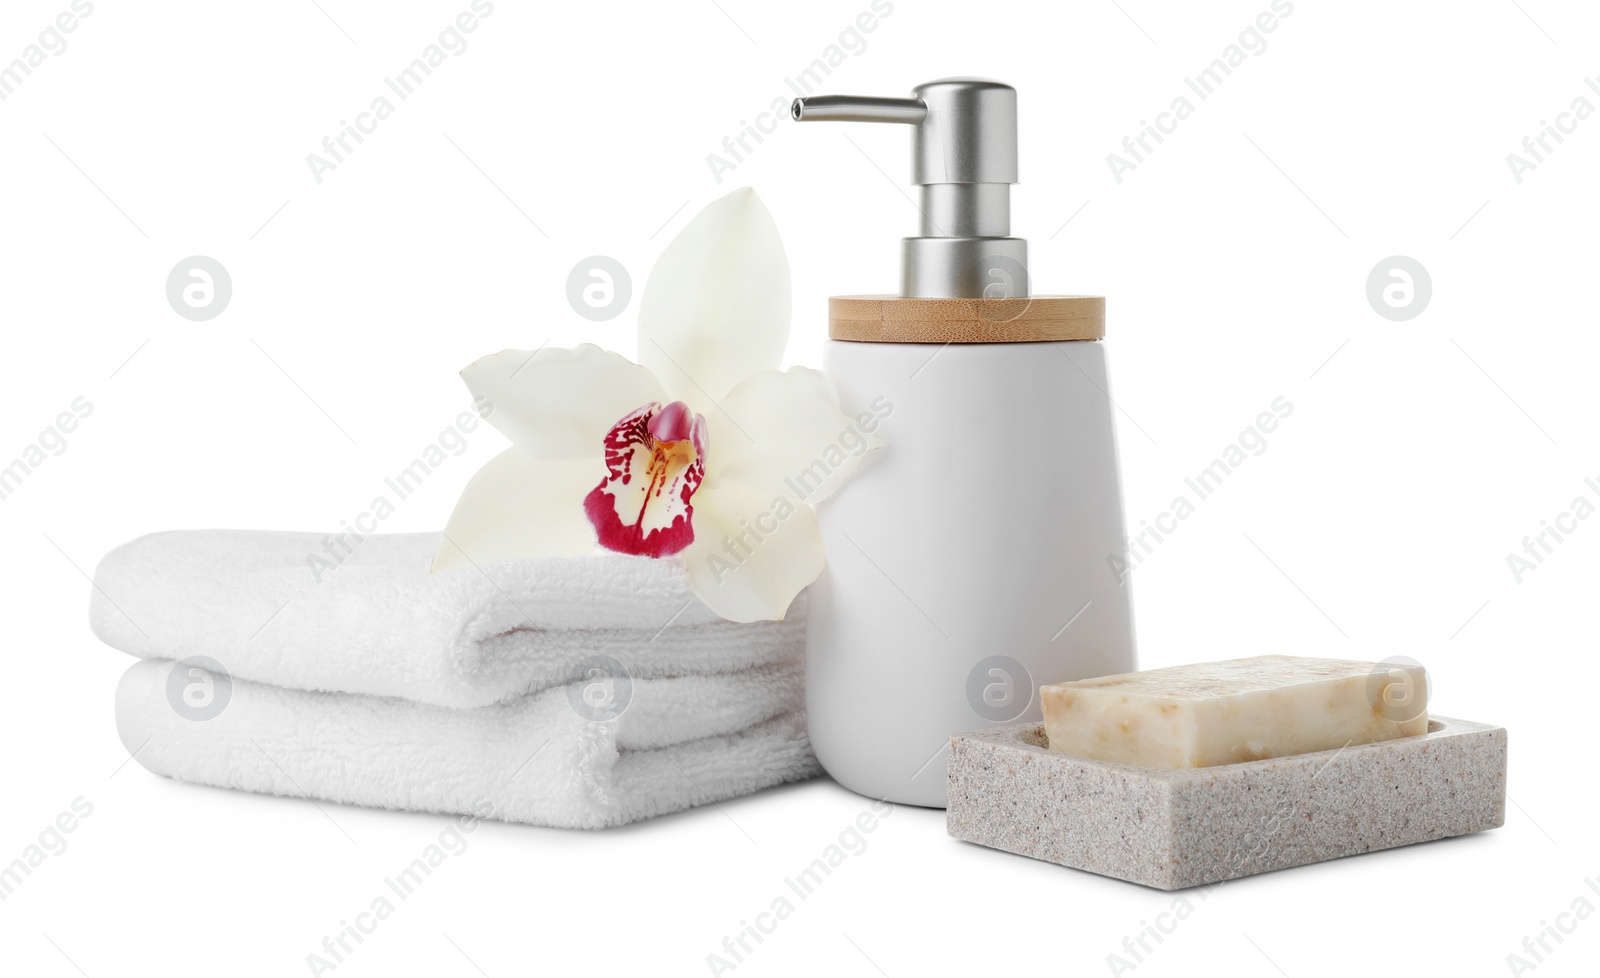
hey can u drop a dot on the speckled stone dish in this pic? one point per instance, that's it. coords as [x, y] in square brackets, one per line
[1172, 829]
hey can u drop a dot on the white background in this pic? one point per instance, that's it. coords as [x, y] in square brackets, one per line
[1377, 521]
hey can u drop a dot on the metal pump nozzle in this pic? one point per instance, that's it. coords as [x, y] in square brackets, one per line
[964, 160]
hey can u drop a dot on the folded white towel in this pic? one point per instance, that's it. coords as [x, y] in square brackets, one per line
[379, 623]
[678, 742]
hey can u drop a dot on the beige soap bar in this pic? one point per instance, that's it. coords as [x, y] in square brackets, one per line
[1238, 710]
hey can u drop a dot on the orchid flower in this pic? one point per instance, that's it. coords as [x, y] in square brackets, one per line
[703, 452]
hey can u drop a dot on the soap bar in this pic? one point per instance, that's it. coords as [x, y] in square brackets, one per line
[1213, 713]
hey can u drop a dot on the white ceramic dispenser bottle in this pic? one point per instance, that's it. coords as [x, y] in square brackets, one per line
[972, 558]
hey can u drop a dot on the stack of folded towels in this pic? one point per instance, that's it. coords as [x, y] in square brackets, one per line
[577, 692]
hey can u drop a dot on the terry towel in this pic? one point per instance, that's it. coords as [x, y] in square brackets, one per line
[677, 743]
[374, 682]
[379, 623]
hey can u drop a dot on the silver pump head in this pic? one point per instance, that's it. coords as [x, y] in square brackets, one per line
[964, 161]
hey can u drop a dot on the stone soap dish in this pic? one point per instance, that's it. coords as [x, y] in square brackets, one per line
[1172, 829]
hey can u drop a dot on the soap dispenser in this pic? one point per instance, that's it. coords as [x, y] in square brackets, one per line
[977, 554]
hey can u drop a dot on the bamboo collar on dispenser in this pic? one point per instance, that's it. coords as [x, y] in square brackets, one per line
[963, 279]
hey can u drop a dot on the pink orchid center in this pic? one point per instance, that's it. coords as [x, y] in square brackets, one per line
[655, 460]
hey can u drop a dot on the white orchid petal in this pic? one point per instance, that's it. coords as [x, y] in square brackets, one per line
[752, 552]
[716, 307]
[783, 432]
[557, 403]
[520, 506]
